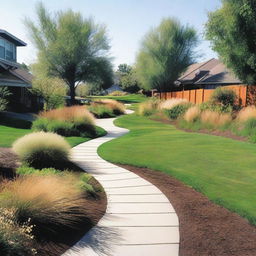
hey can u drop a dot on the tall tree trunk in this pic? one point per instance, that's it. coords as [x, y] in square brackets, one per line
[72, 92]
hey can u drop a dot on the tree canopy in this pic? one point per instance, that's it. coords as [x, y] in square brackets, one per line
[71, 47]
[127, 78]
[232, 32]
[165, 53]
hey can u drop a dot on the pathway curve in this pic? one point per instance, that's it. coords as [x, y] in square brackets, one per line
[139, 220]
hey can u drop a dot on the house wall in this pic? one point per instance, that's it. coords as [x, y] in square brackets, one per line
[246, 94]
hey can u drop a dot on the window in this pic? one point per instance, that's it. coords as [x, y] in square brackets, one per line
[2, 49]
[7, 50]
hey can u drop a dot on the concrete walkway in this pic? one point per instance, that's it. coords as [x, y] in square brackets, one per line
[139, 221]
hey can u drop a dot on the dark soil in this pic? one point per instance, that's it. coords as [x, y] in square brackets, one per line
[206, 229]
[94, 209]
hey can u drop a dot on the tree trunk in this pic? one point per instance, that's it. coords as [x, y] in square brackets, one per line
[72, 92]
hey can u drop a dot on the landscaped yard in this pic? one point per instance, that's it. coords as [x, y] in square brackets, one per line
[221, 168]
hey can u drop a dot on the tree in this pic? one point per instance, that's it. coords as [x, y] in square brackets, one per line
[166, 52]
[69, 46]
[127, 78]
[232, 32]
[52, 89]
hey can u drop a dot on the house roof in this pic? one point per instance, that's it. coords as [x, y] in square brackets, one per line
[11, 38]
[212, 71]
[14, 76]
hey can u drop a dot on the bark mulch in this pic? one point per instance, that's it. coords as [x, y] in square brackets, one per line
[206, 229]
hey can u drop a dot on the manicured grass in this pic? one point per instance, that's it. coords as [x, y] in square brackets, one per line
[223, 169]
[9, 134]
[130, 98]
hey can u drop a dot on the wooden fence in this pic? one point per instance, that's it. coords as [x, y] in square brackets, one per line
[246, 94]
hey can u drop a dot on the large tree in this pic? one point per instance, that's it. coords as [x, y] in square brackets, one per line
[232, 32]
[166, 52]
[70, 47]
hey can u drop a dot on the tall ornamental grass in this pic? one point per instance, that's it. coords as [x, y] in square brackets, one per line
[149, 107]
[41, 149]
[69, 114]
[246, 114]
[116, 107]
[169, 104]
[215, 119]
[50, 202]
[192, 114]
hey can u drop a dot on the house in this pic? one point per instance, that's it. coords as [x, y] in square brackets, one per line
[208, 75]
[18, 80]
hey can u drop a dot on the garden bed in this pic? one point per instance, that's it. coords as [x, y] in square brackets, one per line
[93, 207]
[205, 228]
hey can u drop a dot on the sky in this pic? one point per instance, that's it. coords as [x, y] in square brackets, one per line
[127, 21]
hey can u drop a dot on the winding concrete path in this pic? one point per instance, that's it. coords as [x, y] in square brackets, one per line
[139, 220]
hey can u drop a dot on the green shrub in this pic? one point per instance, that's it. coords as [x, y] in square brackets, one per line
[101, 111]
[177, 111]
[216, 107]
[42, 149]
[223, 97]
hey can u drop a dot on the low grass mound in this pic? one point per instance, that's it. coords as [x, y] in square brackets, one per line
[41, 149]
[169, 104]
[148, 107]
[107, 108]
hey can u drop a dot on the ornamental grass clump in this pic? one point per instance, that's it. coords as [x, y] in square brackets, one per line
[50, 202]
[41, 149]
[117, 107]
[169, 104]
[246, 114]
[15, 238]
[148, 108]
[67, 121]
[192, 114]
[214, 119]
[69, 114]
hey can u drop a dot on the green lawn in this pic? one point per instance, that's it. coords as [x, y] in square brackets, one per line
[221, 168]
[130, 98]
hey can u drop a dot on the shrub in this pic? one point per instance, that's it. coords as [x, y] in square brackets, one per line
[42, 149]
[192, 114]
[246, 114]
[177, 111]
[215, 119]
[51, 202]
[117, 93]
[169, 104]
[223, 97]
[147, 108]
[117, 107]
[15, 239]
[4, 94]
[215, 107]
[101, 110]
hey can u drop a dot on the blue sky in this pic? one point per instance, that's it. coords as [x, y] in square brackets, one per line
[127, 21]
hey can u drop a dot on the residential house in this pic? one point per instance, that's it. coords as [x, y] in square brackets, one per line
[208, 75]
[18, 80]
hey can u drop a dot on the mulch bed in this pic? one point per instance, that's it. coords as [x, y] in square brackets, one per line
[206, 229]
[95, 208]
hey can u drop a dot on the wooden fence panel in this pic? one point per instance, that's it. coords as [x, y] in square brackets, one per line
[186, 95]
[246, 94]
[207, 95]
